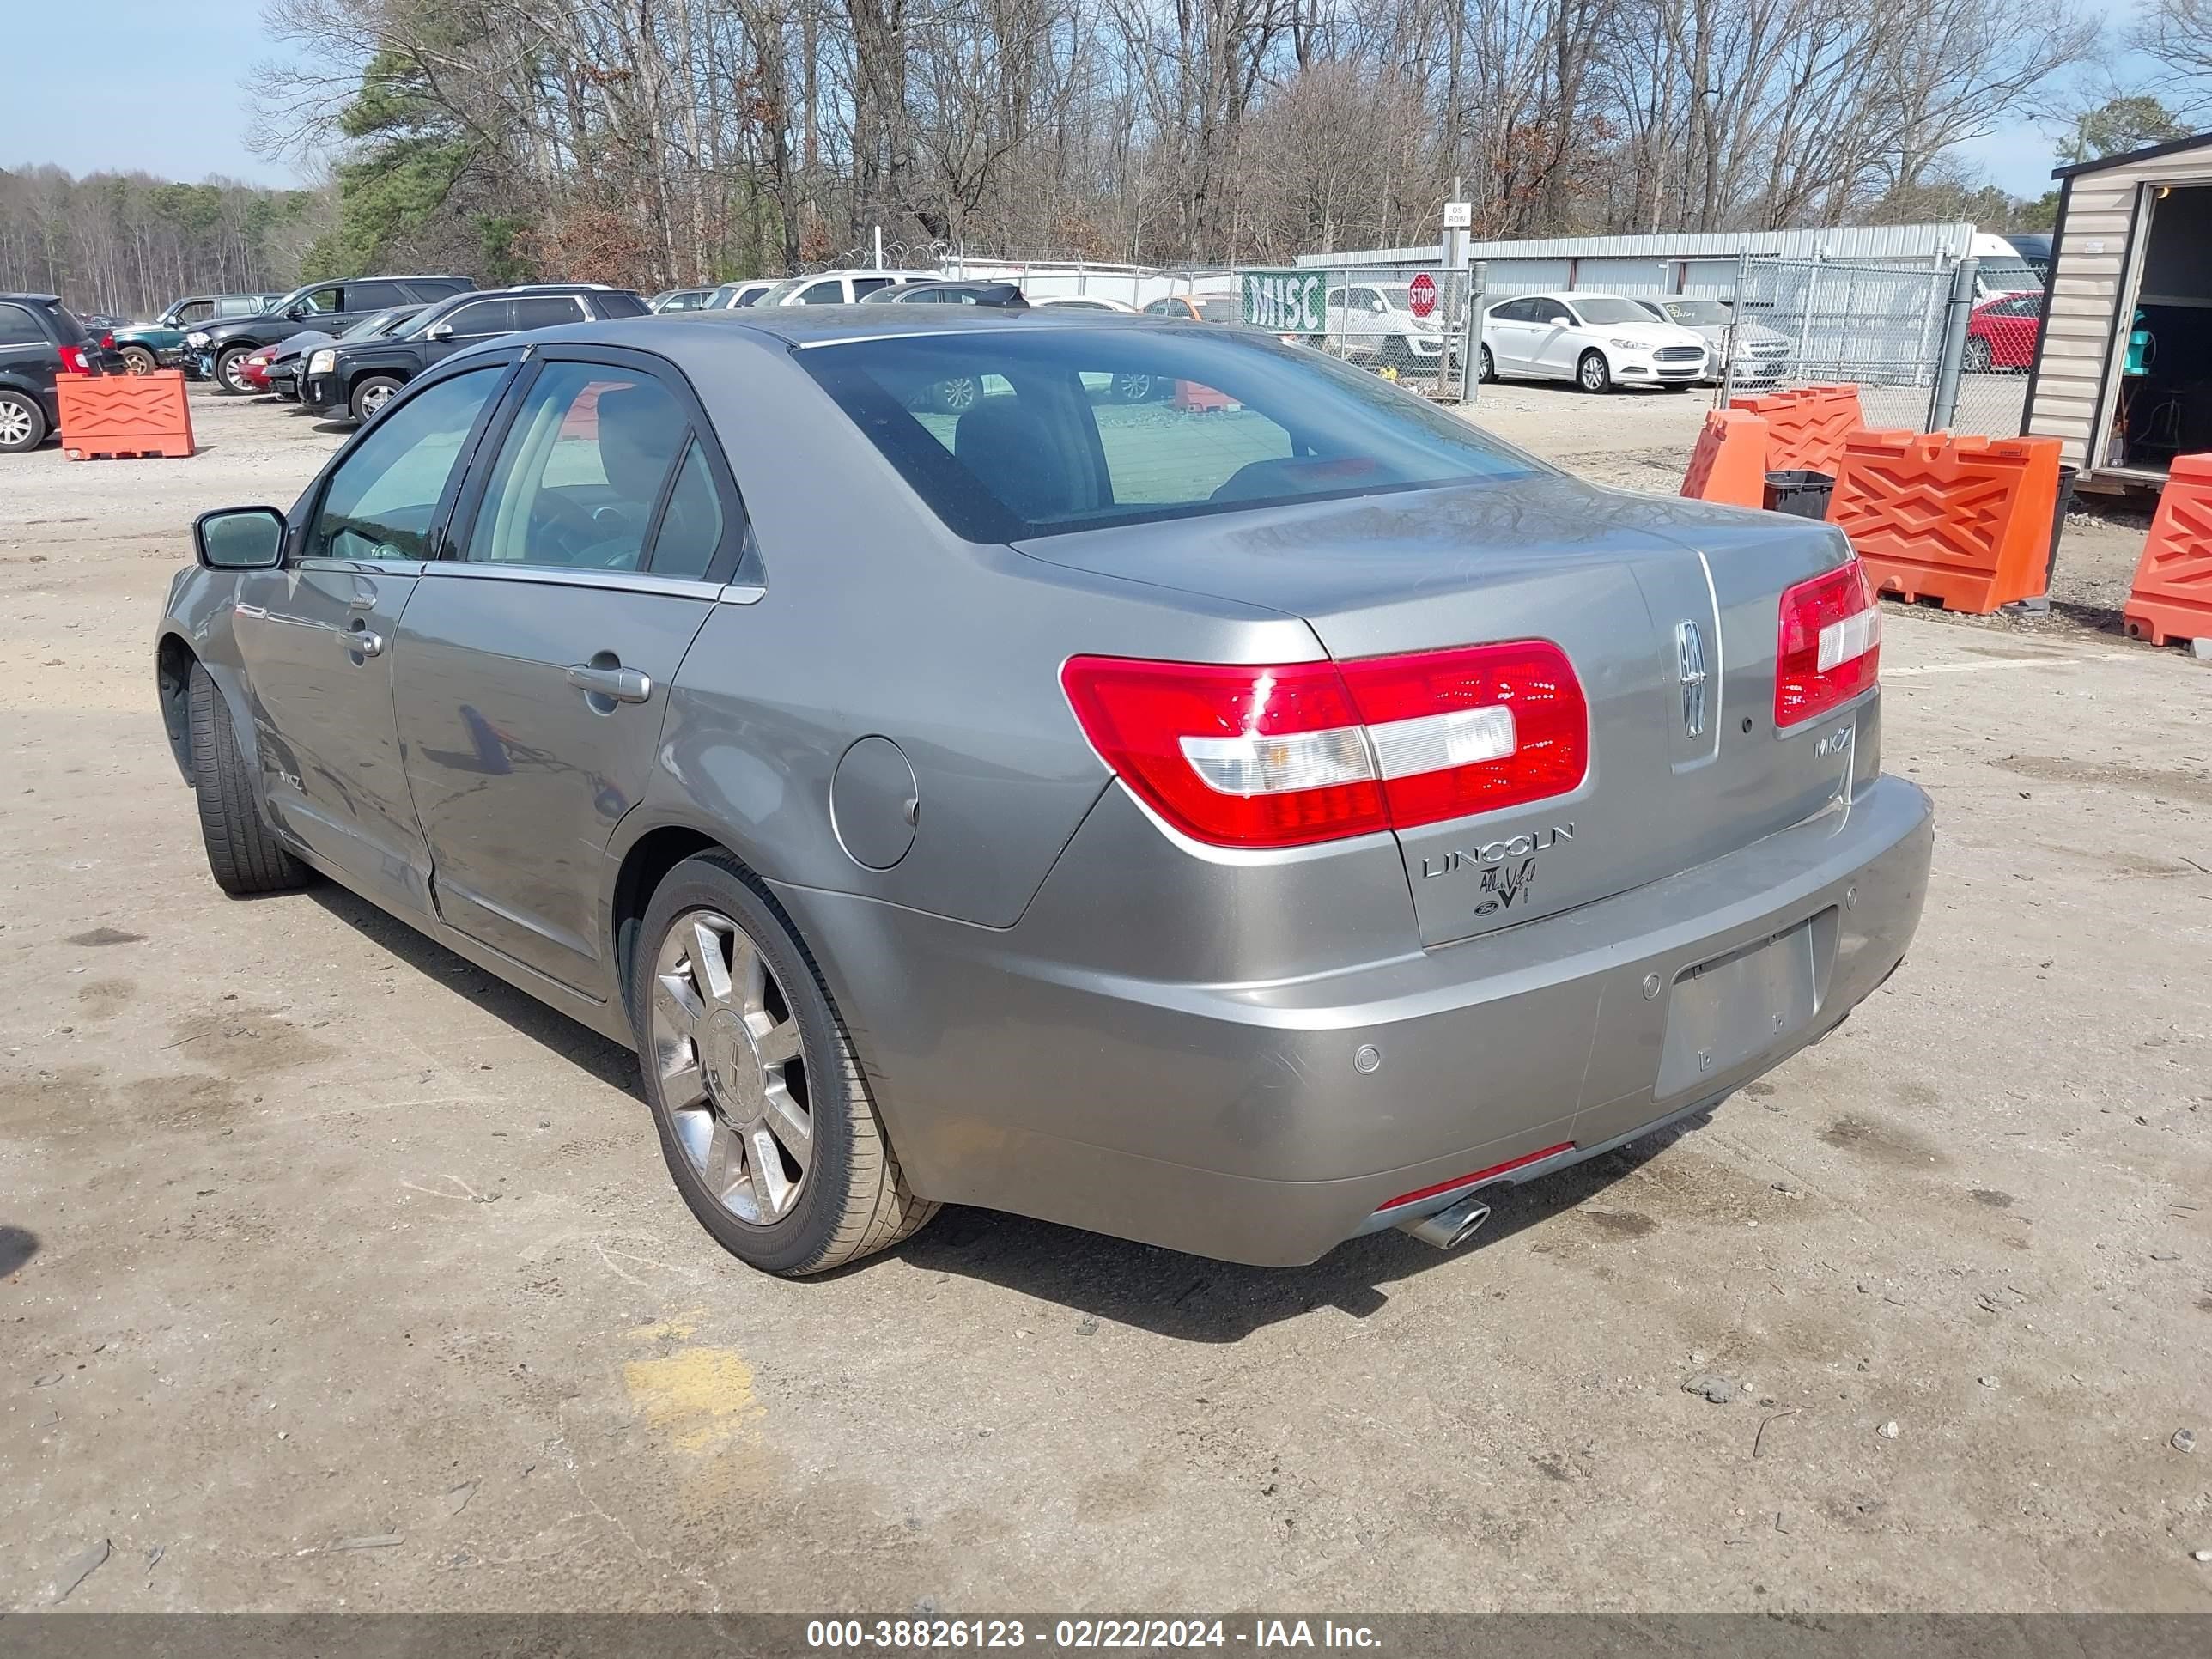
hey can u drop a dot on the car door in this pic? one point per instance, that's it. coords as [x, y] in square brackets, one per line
[466, 326]
[315, 636]
[1554, 340]
[1505, 331]
[587, 551]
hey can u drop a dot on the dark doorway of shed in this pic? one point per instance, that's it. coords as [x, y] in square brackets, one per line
[2166, 379]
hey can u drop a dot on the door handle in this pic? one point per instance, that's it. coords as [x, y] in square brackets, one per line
[362, 641]
[622, 684]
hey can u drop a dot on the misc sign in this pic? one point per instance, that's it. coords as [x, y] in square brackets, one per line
[1286, 302]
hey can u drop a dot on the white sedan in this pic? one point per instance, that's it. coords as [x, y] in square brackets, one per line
[1598, 341]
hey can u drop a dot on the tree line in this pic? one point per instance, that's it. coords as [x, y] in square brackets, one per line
[677, 140]
[130, 243]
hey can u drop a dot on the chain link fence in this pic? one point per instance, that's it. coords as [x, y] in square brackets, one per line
[1914, 339]
[1412, 325]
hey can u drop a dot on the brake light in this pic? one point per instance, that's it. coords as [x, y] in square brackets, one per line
[1828, 648]
[74, 361]
[1284, 755]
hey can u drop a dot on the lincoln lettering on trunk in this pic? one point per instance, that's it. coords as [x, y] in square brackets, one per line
[1495, 852]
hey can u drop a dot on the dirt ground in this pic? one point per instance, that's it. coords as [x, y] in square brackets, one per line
[334, 1275]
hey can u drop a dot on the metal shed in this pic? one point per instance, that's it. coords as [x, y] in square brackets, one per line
[2122, 368]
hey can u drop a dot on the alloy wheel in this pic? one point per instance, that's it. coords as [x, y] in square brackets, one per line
[727, 1050]
[373, 399]
[14, 424]
[234, 373]
[957, 395]
[1593, 373]
[1132, 388]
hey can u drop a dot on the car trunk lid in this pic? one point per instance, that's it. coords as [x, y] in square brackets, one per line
[1667, 609]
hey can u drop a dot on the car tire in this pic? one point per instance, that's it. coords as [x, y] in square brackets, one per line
[1979, 359]
[1593, 374]
[371, 394]
[136, 360]
[243, 854]
[721, 1090]
[956, 394]
[22, 423]
[1487, 373]
[228, 375]
[1132, 388]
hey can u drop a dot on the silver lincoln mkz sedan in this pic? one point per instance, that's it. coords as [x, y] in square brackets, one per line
[1237, 819]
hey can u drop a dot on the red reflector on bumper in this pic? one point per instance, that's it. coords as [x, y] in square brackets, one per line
[1490, 1174]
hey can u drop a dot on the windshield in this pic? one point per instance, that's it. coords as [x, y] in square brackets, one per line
[1007, 434]
[1602, 310]
[2010, 276]
[383, 323]
[1697, 314]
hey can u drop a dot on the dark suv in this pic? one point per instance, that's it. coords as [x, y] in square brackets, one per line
[221, 348]
[40, 338]
[357, 378]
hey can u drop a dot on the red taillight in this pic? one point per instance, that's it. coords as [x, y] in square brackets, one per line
[1828, 648]
[107, 343]
[1280, 755]
[74, 361]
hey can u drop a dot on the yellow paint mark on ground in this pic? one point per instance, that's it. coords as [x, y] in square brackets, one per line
[701, 1399]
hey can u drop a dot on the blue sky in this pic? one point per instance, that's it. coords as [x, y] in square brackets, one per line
[189, 55]
[198, 51]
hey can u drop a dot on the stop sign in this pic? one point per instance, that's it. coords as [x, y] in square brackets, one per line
[1424, 294]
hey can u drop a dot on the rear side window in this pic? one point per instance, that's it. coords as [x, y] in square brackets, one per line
[863, 286]
[374, 297]
[580, 471]
[544, 311]
[620, 304]
[1006, 435]
[19, 327]
[691, 524]
[436, 288]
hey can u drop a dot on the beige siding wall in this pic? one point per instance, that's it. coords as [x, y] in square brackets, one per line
[2090, 259]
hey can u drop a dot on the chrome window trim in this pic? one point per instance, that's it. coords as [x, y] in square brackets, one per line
[619, 582]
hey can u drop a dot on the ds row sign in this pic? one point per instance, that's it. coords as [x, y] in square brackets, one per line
[1287, 301]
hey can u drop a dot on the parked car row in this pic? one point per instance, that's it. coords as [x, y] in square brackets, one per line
[41, 340]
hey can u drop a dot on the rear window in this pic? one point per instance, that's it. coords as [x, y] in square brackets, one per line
[623, 305]
[1009, 434]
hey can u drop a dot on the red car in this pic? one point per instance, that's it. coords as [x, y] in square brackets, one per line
[254, 371]
[2002, 333]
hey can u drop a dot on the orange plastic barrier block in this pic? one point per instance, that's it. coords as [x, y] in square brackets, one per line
[2172, 596]
[1190, 395]
[124, 415]
[1963, 520]
[1807, 424]
[1729, 463]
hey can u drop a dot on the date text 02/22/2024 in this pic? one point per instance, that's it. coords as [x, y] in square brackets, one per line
[879, 1635]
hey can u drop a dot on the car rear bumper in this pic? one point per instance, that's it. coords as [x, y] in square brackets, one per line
[1266, 1122]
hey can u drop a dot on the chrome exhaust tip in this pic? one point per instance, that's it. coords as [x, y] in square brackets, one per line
[1449, 1229]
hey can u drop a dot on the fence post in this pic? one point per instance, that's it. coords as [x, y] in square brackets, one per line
[1735, 322]
[1470, 377]
[1943, 407]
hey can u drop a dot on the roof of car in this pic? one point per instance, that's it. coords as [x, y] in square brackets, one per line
[35, 299]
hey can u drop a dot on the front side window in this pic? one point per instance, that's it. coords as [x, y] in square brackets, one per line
[323, 301]
[831, 293]
[580, 471]
[476, 320]
[1045, 444]
[197, 311]
[1604, 311]
[380, 501]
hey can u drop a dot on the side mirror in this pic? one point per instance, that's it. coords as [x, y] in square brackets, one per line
[299, 311]
[240, 539]
[442, 331]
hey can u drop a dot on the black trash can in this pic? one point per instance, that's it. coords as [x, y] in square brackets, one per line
[1800, 493]
[2066, 477]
